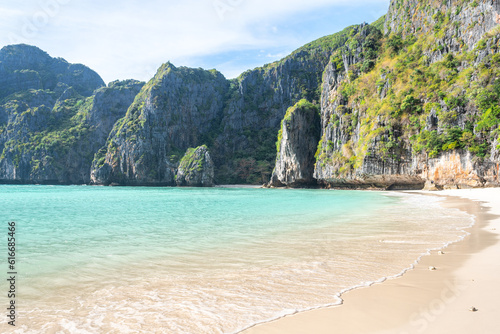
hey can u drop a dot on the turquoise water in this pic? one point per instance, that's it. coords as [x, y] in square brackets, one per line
[197, 260]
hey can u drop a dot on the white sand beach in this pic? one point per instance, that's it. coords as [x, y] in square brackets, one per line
[460, 296]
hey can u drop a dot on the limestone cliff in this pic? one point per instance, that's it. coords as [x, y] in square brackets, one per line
[196, 168]
[410, 98]
[175, 110]
[464, 22]
[244, 151]
[52, 124]
[427, 110]
[297, 142]
[237, 119]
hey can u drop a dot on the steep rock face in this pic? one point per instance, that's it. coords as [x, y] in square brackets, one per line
[427, 110]
[338, 164]
[109, 105]
[237, 119]
[471, 20]
[244, 151]
[52, 138]
[297, 142]
[457, 169]
[176, 110]
[420, 103]
[50, 123]
[196, 168]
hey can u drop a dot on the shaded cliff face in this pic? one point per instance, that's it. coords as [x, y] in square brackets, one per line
[427, 110]
[196, 168]
[413, 97]
[179, 108]
[297, 142]
[244, 151]
[51, 137]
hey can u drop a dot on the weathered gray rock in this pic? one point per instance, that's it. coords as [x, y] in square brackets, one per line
[196, 168]
[258, 101]
[387, 159]
[474, 19]
[175, 110]
[297, 144]
[56, 145]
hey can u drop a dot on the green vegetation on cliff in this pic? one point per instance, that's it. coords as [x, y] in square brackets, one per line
[433, 87]
[419, 89]
[303, 106]
[190, 162]
[263, 96]
[420, 82]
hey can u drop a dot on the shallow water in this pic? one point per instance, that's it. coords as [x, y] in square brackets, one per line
[190, 260]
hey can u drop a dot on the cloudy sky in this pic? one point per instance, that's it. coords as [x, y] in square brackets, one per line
[131, 38]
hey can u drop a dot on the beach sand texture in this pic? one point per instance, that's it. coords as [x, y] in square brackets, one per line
[460, 296]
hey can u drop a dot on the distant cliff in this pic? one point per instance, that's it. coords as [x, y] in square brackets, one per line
[53, 123]
[410, 99]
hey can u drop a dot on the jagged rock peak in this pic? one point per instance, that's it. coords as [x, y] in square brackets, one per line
[24, 67]
[20, 55]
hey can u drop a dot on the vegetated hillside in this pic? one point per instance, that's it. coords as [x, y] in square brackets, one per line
[409, 99]
[236, 119]
[54, 116]
[245, 149]
[428, 110]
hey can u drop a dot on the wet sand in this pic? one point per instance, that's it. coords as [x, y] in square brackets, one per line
[422, 300]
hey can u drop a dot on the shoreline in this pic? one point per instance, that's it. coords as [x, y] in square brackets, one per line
[420, 300]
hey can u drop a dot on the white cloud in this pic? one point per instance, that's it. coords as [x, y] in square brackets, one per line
[128, 38]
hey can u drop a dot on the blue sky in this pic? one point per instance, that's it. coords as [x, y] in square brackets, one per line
[131, 39]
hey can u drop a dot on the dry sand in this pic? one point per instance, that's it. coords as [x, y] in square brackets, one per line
[424, 301]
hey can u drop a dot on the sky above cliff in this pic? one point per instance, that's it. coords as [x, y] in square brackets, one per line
[131, 39]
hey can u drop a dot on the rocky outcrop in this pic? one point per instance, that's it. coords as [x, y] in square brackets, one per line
[417, 105]
[237, 119]
[196, 168]
[368, 140]
[54, 116]
[244, 151]
[297, 142]
[457, 169]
